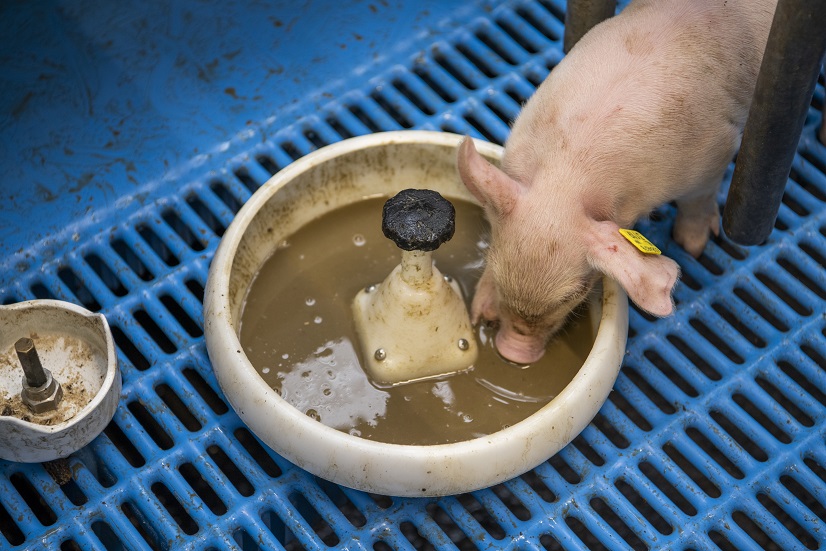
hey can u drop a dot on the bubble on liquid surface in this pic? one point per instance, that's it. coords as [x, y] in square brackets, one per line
[309, 301]
[359, 240]
[317, 320]
[265, 370]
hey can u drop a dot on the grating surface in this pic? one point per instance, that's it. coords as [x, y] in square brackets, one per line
[712, 437]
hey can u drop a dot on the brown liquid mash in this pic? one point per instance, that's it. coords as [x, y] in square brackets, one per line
[297, 330]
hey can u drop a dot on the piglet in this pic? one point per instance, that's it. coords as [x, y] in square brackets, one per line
[647, 108]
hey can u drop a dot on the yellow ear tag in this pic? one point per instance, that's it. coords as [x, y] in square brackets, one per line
[639, 241]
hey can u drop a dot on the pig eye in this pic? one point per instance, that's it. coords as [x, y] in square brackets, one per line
[576, 297]
[579, 293]
[572, 296]
[529, 318]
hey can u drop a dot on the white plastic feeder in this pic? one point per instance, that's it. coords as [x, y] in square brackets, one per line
[337, 175]
[76, 350]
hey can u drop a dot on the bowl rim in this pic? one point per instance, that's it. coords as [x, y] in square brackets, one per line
[351, 460]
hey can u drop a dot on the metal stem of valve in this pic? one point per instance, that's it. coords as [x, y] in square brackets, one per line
[41, 392]
[30, 361]
[417, 267]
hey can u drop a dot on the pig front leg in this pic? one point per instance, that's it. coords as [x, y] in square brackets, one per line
[696, 215]
[484, 306]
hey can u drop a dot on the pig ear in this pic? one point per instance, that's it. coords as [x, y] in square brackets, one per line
[491, 187]
[647, 279]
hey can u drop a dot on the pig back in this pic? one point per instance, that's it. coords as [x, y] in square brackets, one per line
[648, 107]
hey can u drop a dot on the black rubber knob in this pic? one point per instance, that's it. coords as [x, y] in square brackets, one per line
[418, 220]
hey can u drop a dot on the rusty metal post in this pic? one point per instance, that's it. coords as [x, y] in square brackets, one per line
[788, 74]
[582, 15]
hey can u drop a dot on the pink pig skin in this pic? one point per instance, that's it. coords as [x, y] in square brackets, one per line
[647, 108]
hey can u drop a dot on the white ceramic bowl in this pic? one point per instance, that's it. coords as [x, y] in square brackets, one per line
[77, 347]
[337, 175]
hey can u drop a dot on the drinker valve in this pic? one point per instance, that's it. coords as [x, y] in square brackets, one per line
[415, 325]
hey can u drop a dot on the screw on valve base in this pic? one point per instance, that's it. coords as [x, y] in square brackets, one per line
[41, 392]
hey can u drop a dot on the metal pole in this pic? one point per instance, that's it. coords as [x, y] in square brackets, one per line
[30, 362]
[823, 114]
[582, 15]
[785, 84]
[823, 127]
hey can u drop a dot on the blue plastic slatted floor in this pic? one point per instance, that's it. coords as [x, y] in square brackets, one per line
[129, 136]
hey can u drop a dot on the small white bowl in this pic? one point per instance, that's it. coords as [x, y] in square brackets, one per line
[76, 346]
[341, 174]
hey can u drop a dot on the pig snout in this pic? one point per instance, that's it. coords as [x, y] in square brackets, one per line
[519, 348]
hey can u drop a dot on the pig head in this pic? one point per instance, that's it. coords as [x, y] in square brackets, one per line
[543, 261]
